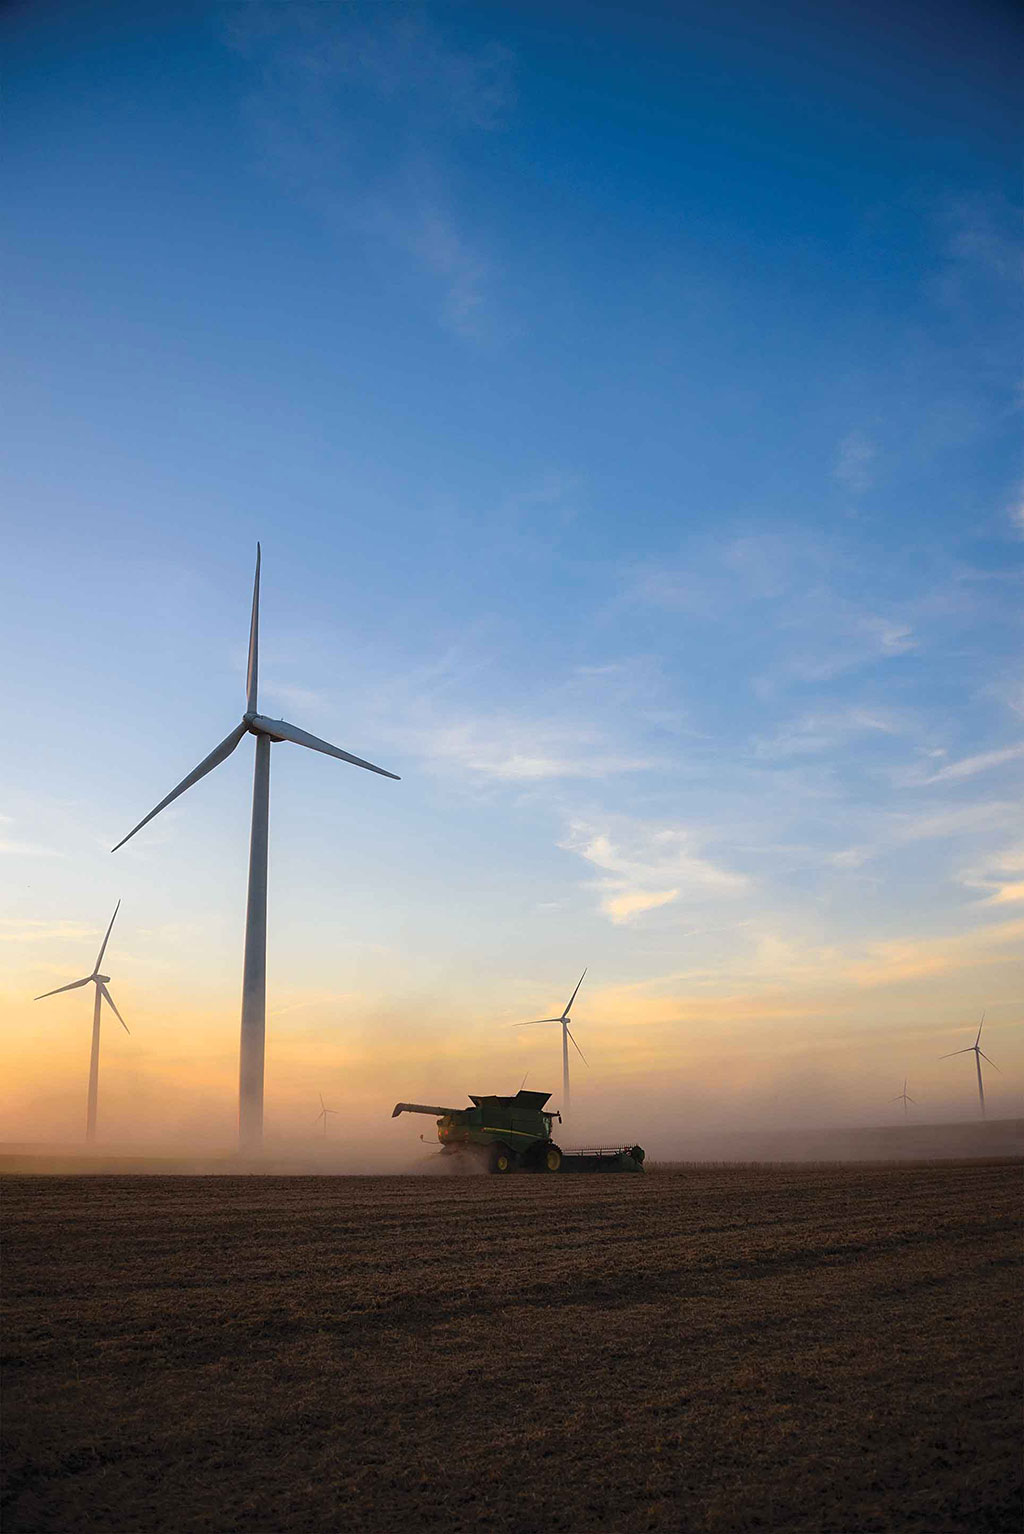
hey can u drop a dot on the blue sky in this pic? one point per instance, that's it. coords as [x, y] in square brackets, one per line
[628, 402]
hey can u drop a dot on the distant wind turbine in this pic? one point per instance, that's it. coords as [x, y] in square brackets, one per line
[102, 995]
[566, 1036]
[979, 1055]
[254, 969]
[903, 1098]
[324, 1111]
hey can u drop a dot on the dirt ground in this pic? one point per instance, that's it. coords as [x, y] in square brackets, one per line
[819, 1349]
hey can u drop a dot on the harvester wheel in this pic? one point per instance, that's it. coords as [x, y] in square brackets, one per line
[550, 1159]
[502, 1159]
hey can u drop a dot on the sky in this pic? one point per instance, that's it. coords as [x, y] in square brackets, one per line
[628, 402]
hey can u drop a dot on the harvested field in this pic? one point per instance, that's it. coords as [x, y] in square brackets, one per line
[704, 1350]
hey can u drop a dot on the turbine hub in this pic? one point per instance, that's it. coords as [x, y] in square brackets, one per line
[103, 979]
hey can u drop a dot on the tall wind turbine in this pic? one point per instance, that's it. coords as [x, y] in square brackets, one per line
[903, 1098]
[979, 1055]
[254, 969]
[566, 1036]
[324, 1111]
[102, 995]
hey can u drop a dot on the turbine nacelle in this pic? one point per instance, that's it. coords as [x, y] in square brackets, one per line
[261, 728]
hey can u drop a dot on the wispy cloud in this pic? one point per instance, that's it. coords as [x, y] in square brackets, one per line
[651, 864]
[359, 111]
[422, 224]
[840, 637]
[291, 695]
[893, 830]
[315, 999]
[912, 958]
[14, 847]
[1017, 512]
[622, 908]
[23, 930]
[967, 767]
[524, 751]
[1008, 894]
[855, 457]
[1000, 876]
[814, 734]
[795, 598]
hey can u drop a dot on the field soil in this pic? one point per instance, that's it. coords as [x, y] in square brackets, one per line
[775, 1349]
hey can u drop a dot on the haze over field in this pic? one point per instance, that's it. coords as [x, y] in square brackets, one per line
[627, 401]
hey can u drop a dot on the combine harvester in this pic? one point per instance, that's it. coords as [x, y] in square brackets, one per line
[513, 1134]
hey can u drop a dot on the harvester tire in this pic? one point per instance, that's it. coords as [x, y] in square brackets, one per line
[502, 1159]
[550, 1159]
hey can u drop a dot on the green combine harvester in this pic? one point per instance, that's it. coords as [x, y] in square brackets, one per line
[513, 1134]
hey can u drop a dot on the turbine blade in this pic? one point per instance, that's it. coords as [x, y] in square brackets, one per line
[535, 1020]
[968, 1051]
[280, 729]
[72, 987]
[110, 1002]
[912, 1100]
[992, 1063]
[103, 945]
[980, 1027]
[578, 1050]
[572, 998]
[216, 756]
[252, 671]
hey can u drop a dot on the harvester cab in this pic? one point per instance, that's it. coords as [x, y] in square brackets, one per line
[514, 1134]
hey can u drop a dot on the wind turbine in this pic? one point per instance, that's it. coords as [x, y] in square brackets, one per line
[566, 1036]
[324, 1111]
[903, 1098]
[254, 968]
[102, 995]
[979, 1055]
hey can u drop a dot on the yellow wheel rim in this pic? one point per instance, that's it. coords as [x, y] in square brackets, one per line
[554, 1161]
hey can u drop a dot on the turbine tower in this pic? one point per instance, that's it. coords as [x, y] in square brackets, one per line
[324, 1111]
[979, 1055]
[254, 968]
[566, 1036]
[903, 1098]
[102, 995]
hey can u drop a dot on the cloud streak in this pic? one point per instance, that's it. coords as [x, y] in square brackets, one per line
[360, 113]
[510, 749]
[650, 865]
[853, 463]
[969, 766]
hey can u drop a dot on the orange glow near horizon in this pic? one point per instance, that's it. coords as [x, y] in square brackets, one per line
[820, 1043]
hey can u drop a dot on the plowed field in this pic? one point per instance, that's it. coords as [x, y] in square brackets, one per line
[744, 1349]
